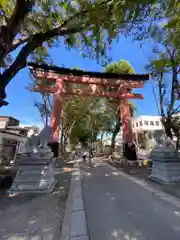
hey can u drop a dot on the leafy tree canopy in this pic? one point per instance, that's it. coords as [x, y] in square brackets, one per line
[30, 27]
[121, 67]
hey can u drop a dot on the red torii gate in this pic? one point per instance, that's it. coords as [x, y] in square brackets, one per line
[51, 79]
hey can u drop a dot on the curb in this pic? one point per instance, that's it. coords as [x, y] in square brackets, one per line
[162, 195]
[75, 224]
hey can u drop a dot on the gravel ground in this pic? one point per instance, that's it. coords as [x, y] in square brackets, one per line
[35, 217]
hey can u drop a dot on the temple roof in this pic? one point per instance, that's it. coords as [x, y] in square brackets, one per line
[74, 72]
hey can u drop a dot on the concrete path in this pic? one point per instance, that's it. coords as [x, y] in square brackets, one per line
[119, 209]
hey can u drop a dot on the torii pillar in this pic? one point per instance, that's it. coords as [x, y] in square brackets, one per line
[57, 109]
[128, 141]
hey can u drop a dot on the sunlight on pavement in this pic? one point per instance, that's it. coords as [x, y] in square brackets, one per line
[115, 173]
[177, 213]
[120, 234]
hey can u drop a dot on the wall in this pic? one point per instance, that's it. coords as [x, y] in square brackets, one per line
[142, 123]
[3, 123]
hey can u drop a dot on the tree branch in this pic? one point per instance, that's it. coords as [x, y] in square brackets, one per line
[173, 88]
[176, 110]
[161, 94]
[35, 42]
[172, 57]
[17, 42]
[9, 32]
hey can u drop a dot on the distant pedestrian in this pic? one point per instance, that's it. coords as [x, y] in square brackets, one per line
[85, 154]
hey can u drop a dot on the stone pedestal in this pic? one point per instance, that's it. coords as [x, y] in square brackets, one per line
[166, 165]
[35, 174]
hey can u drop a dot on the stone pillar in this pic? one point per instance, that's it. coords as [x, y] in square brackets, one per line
[57, 109]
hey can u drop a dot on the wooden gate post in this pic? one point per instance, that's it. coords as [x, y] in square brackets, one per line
[57, 109]
[129, 146]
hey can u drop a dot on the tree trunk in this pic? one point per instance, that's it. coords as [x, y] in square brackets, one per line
[166, 118]
[177, 142]
[101, 142]
[114, 134]
[167, 127]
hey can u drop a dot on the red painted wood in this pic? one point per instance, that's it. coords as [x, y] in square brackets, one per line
[88, 80]
[93, 90]
[90, 92]
[57, 109]
[126, 121]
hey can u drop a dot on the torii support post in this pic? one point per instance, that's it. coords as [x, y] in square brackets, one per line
[57, 109]
[129, 146]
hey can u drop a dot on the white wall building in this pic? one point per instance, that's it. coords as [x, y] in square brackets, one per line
[140, 124]
[147, 123]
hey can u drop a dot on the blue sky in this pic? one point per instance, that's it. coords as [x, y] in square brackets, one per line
[21, 101]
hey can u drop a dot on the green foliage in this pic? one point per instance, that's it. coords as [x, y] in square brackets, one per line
[165, 68]
[121, 67]
[86, 119]
[31, 27]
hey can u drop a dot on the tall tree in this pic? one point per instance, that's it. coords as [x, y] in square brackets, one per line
[28, 28]
[165, 68]
[121, 67]
[44, 106]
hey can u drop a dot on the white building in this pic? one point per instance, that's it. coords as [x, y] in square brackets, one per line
[147, 123]
[141, 124]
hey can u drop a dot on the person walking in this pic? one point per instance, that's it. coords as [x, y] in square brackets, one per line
[85, 153]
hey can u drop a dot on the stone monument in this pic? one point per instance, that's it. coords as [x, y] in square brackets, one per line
[35, 166]
[166, 162]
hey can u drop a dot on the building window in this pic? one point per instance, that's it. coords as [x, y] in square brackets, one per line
[136, 124]
[157, 123]
[140, 123]
[151, 123]
[146, 123]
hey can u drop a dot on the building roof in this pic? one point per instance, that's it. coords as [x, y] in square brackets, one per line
[146, 116]
[9, 117]
[17, 128]
[4, 117]
[74, 72]
[11, 133]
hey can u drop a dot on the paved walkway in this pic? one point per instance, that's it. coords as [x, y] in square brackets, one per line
[119, 209]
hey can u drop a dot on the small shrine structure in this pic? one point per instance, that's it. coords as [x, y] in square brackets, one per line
[52, 79]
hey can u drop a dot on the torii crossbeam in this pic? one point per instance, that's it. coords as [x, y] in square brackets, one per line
[51, 79]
